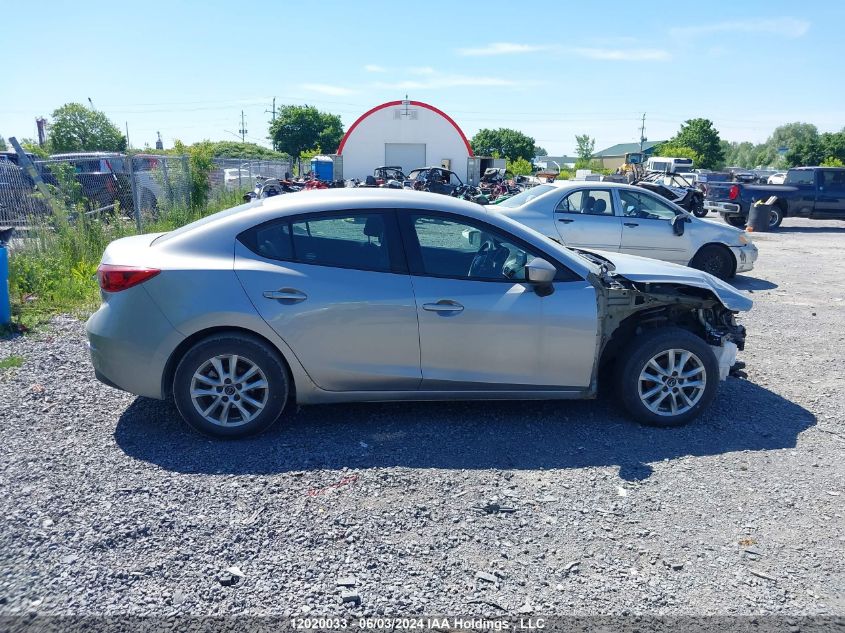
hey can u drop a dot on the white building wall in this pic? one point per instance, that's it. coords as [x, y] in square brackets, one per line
[363, 149]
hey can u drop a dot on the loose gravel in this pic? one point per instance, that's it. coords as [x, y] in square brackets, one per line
[111, 505]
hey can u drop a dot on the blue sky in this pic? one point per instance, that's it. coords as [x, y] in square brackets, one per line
[552, 70]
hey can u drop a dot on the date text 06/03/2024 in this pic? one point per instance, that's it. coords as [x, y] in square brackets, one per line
[420, 623]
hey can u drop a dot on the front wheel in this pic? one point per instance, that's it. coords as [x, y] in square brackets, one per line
[230, 385]
[714, 259]
[666, 377]
[736, 221]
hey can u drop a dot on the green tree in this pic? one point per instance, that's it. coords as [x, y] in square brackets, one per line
[510, 144]
[700, 136]
[786, 138]
[832, 161]
[584, 147]
[31, 145]
[520, 167]
[540, 151]
[301, 128]
[3, 147]
[75, 128]
[833, 145]
[805, 152]
[236, 149]
[678, 151]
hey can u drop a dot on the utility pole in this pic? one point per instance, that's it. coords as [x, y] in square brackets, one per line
[272, 140]
[243, 130]
[273, 111]
[643, 139]
[126, 123]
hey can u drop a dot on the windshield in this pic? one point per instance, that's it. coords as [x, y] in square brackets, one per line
[526, 196]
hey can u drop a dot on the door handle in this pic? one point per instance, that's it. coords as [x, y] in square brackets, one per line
[444, 305]
[289, 295]
[565, 220]
[632, 224]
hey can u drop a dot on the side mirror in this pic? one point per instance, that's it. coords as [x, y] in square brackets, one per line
[678, 223]
[539, 271]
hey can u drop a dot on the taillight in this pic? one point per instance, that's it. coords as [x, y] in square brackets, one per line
[116, 278]
[733, 192]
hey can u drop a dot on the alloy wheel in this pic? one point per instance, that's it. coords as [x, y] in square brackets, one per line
[229, 390]
[672, 382]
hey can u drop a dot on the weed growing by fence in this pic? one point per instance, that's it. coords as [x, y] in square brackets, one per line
[53, 269]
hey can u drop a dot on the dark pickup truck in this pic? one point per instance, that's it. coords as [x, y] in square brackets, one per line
[807, 192]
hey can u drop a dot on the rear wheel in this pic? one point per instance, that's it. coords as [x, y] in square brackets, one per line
[714, 259]
[775, 218]
[230, 385]
[667, 377]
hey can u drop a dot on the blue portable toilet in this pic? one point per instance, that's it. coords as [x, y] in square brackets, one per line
[323, 168]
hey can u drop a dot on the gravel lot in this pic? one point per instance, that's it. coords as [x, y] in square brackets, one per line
[111, 505]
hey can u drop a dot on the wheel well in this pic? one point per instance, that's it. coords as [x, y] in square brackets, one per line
[633, 325]
[724, 249]
[193, 339]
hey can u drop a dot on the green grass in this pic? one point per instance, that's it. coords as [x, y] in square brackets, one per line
[54, 271]
[11, 362]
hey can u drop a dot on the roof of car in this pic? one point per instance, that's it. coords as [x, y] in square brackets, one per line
[592, 183]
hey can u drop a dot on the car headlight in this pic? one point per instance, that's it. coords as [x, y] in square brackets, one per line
[744, 239]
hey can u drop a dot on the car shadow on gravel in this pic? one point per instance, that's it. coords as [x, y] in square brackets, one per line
[465, 435]
[744, 282]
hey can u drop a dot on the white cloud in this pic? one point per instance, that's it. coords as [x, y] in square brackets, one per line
[328, 89]
[435, 82]
[503, 48]
[623, 54]
[373, 68]
[783, 27]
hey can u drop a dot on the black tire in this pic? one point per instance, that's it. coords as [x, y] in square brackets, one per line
[716, 260]
[698, 209]
[736, 221]
[250, 350]
[635, 357]
[775, 218]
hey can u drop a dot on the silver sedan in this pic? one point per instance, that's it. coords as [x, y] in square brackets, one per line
[374, 295]
[627, 219]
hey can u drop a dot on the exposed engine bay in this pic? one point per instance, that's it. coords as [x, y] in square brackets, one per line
[630, 307]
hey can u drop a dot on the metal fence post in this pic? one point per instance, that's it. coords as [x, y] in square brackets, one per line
[134, 190]
[168, 188]
[186, 169]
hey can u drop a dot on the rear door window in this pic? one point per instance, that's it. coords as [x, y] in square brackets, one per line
[587, 202]
[363, 241]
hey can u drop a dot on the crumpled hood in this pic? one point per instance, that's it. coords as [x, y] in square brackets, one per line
[645, 270]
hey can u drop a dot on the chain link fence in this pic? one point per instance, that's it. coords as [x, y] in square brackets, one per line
[138, 188]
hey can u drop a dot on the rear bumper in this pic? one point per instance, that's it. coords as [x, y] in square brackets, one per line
[729, 208]
[130, 341]
[745, 257]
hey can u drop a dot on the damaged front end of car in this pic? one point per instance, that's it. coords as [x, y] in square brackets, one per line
[630, 307]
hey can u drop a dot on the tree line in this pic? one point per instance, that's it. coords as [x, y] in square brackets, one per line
[303, 130]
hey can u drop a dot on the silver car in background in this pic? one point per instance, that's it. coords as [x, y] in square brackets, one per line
[376, 294]
[627, 219]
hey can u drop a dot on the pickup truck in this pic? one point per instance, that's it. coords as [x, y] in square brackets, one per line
[807, 192]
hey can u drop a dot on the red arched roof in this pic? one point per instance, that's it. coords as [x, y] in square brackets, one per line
[419, 104]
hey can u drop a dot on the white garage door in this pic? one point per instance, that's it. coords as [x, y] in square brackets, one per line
[408, 156]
